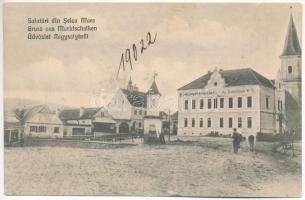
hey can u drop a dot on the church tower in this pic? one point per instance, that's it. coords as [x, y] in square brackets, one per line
[153, 97]
[291, 59]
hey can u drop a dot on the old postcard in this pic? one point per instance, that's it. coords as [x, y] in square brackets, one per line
[153, 99]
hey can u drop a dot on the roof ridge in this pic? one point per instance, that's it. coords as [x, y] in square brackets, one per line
[255, 75]
[196, 79]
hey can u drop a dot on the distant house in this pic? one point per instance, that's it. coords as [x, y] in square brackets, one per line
[13, 130]
[87, 121]
[40, 121]
[103, 123]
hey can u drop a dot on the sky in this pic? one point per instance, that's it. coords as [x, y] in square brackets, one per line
[191, 40]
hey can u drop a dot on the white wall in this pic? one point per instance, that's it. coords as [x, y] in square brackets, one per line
[48, 133]
[119, 107]
[216, 114]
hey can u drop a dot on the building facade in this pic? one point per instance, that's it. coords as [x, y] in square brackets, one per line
[222, 100]
[128, 108]
[44, 123]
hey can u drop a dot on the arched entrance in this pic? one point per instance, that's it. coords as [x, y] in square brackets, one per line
[124, 128]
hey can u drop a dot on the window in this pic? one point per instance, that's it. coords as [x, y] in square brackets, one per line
[215, 83]
[32, 128]
[186, 104]
[209, 103]
[185, 122]
[102, 114]
[221, 102]
[249, 102]
[221, 122]
[239, 122]
[135, 112]
[267, 102]
[140, 112]
[201, 122]
[193, 122]
[38, 129]
[279, 105]
[289, 69]
[249, 122]
[230, 122]
[145, 112]
[239, 102]
[209, 123]
[215, 103]
[42, 129]
[140, 125]
[201, 103]
[56, 129]
[230, 102]
[193, 104]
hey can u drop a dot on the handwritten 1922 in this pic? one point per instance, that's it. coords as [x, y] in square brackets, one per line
[126, 56]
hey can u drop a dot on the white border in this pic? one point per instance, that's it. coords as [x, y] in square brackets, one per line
[2, 196]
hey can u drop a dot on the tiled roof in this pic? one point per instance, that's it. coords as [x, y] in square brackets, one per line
[74, 114]
[69, 114]
[89, 113]
[136, 98]
[236, 77]
[292, 46]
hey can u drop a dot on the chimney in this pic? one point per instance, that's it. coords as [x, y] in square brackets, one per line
[81, 111]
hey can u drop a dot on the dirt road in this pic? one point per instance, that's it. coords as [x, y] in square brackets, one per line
[205, 168]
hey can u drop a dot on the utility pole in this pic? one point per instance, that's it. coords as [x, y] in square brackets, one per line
[169, 126]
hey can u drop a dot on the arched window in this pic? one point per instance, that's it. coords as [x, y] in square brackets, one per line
[289, 69]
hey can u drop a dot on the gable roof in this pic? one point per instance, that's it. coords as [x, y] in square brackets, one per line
[74, 114]
[45, 118]
[174, 116]
[89, 113]
[136, 98]
[154, 89]
[236, 77]
[292, 46]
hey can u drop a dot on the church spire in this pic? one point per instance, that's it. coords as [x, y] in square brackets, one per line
[154, 88]
[292, 46]
[129, 85]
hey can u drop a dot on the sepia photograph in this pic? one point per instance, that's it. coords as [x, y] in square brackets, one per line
[152, 99]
